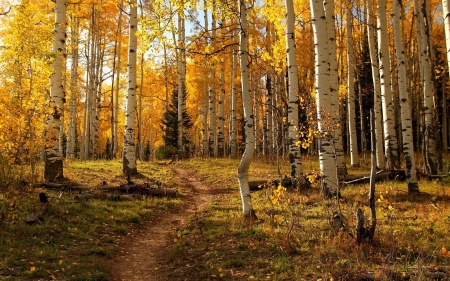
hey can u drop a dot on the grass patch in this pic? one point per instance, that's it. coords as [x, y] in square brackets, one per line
[75, 240]
[294, 239]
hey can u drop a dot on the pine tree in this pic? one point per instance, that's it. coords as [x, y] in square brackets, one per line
[170, 124]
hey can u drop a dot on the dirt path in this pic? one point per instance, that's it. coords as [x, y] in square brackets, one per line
[143, 256]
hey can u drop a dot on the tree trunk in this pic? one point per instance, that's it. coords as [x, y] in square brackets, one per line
[446, 13]
[115, 136]
[212, 94]
[181, 77]
[408, 143]
[129, 146]
[247, 157]
[334, 87]
[221, 115]
[377, 87]
[53, 168]
[293, 123]
[71, 140]
[429, 134]
[233, 77]
[390, 138]
[354, 160]
[327, 156]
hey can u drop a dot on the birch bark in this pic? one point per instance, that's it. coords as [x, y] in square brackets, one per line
[247, 157]
[408, 143]
[53, 168]
[129, 146]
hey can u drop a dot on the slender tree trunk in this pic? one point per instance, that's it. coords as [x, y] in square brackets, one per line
[181, 77]
[351, 92]
[247, 157]
[429, 134]
[376, 85]
[140, 123]
[53, 168]
[115, 134]
[129, 146]
[73, 89]
[293, 123]
[221, 115]
[233, 144]
[212, 97]
[327, 154]
[205, 128]
[446, 13]
[408, 143]
[390, 138]
[334, 87]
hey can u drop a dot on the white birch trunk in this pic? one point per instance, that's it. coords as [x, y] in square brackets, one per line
[247, 157]
[408, 143]
[327, 158]
[390, 138]
[73, 90]
[116, 105]
[140, 123]
[205, 128]
[293, 105]
[129, 146]
[233, 76]
[334, 87]
[181, 78]
[354, 159]
[377, 87]
[221, 113]
[429, 137]
[212, 96]
[53, 168]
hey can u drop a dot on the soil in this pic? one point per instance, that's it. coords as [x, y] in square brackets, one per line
[143, 255]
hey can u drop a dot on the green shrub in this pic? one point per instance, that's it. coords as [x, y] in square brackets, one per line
[165, 152]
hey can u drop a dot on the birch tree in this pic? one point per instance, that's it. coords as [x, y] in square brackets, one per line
[293, 105]
[181, 54]
[429, 134]
[333, 86]
[327, 159]
[129, 146]
[390, 138]
[233, 76]
[408, 143]
[247, 157]
[53, 168]
[376, 86]
[354, 160]
[73, 88]
[446, 13]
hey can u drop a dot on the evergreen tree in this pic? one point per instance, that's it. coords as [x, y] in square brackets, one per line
[170, 124]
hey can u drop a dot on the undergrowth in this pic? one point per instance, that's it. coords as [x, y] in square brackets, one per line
[74, 240]
[294, 238]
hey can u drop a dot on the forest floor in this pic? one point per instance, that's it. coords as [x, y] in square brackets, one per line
[201, 234]
[145, 255]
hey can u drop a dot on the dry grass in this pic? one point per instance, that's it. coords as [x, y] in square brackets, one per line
[294, 239]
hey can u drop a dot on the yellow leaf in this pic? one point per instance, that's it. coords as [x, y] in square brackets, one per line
[390, 208]
[32, 268]
[60, 261]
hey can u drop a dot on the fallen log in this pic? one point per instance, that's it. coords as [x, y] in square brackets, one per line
[379, 176]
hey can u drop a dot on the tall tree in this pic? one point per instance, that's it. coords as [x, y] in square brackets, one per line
[333, 86]
[247, 157]
[327, 160]
[129, 146]
[181, 61]
[408, 143]
[54, 159]
[71, 139]
[390, 138]
[354, 160]
[376, 86]
[293, 105]
[424, 47]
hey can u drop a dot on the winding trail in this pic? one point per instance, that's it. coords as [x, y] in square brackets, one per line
[144, 254]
